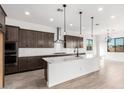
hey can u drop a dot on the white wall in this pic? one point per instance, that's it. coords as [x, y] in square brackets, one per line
[114, 56]
[44, 51]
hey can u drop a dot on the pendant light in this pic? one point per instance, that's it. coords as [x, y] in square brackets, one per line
[92, 18]
[80, 22]
[64, 6]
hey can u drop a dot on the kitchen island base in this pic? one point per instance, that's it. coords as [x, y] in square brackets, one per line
[62, 69]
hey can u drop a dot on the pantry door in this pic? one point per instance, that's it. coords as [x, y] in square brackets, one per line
[1, 60]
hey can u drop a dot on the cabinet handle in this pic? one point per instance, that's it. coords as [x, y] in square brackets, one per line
[1, 25]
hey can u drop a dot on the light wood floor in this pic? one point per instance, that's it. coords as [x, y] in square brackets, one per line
[111, 76]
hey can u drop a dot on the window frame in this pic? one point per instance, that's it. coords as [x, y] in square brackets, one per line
[115, 44]
[87, 44]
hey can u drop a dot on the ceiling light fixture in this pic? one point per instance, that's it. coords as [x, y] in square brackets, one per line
[64, 6]
[80, 22]
[112, 17]
[27, 13]
[100, 9]
[51, 19]
[92, 27]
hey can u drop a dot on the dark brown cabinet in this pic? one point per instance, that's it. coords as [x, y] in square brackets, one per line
[2, 19]
[35, 39]
[73, 41]
[11, 68]
[40, 39]
[31, 63]
[45, 40]
[12, 33]
[49, 38]
[27, 39]
[23, 64]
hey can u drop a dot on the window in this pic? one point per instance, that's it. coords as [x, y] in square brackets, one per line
[119, 44]
[116, 45]
[111, 45]
[89, 44]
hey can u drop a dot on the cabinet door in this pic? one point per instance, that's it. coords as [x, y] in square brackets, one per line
[31, 63]
[73, 41]
[27, 39]
[11, 68]
[46, 39]
[35, 63]
[40, 39]
[23, 39]
[68, 42]
[12, 33]
[31, 39]
[23, 64]
[50, 40]
[81, 42]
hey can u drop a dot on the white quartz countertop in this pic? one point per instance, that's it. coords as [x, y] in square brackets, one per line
[63, 58]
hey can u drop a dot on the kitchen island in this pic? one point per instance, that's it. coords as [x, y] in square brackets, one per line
[61, 69]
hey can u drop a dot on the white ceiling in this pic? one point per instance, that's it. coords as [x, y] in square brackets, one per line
[41, 13]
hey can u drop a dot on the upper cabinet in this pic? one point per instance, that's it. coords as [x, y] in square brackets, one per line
[73, 41]
[40, 40]
[2, 19]
[11, 33]
[45, 40]
[27, 39]
[35, 39]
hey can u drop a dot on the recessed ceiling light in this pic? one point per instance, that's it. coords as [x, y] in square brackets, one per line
[27, 13]
[112, 17]
[100, 9]
[71, 24]
[51, 19]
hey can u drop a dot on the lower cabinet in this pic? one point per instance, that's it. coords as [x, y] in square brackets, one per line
[30, 63]
[11, 68]
[25, 64]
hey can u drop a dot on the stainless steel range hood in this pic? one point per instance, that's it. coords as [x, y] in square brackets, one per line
[58, 39]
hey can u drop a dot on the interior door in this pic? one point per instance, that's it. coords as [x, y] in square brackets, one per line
[1, 61]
